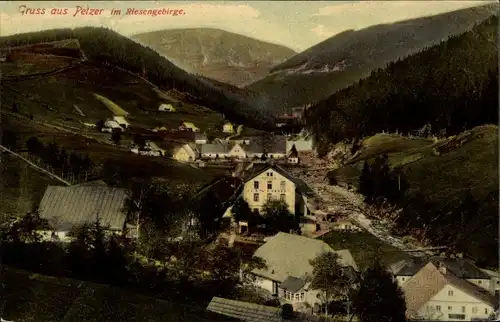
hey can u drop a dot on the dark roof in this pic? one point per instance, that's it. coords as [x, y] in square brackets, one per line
[300, 185]
[244, 311]
[460, 267]
[292, 284]
[66, 207]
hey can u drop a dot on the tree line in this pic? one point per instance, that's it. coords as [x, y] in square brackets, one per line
[74, 165]
[108, 47]
[115, 260]
[451, 86]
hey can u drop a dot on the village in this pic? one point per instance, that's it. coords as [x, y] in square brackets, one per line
[279, 217]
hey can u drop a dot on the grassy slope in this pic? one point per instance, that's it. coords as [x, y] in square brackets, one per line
[214, 53]
[364, 247]
[76, 87]
[362, 51]
[21, 186]
[32, 297]
[444, 178]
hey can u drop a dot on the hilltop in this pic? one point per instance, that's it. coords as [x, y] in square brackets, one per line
[224, 56]
[101, 51]
[345, 58]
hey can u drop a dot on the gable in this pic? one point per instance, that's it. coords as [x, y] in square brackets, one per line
[270, 175]
[459, 296]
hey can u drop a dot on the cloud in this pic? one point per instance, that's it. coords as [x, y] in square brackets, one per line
[322, 31]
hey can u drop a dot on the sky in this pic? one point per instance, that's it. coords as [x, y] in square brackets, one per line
[295, 24]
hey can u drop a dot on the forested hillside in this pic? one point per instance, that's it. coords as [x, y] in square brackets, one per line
[450, 86]
[341, 60]
[104, 45]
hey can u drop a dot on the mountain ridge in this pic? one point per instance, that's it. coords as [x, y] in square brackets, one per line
[341, 60]
[216, 53]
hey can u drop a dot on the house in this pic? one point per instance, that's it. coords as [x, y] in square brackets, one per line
[228, 128]
[308, 225]
[188, 126]
[160, 129]
[121, 121]
[460, 267]
[292, 156]
[289, 271]
[240, 140]
[66, 207]
[238, 152]
[344, 223]
[274, 146]
[200, 138]
[435, 293]
[303, 142]
[185, 153]
[166, 108]
[214, 151]
[110, 126]
[272, 182]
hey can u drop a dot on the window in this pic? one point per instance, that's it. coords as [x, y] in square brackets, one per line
[474, 310]
[256, 184]
[269, 174]
[302, 297]
[449, 308]
[463, 309]
[282, 197]
[450, 293]
[479, 282]
[485, 311]
[297, 296]
[402, 279]
[269, 196]
[282, 185]
[255, 197]
[269, 185]
[438, 307]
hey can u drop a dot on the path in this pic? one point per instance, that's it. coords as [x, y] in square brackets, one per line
[335, 199]
[35, 166]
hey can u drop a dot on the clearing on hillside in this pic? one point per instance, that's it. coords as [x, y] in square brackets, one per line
[113, 107]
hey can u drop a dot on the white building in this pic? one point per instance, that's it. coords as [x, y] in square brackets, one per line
[289, 272]
[214, 151]
[121, 121]
[436, 294]
[185, 153]
[166, 108]
[272, 182]
[460, 267]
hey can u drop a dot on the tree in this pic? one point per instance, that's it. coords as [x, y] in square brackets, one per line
[26, 229]
[116, 136]
[9, 140]
[100, 125]
[366, 185]
[334, 280]
[241, 211]
[287, 312]
[379, 298]
[278, 217]
[15, 108]
[140, 141]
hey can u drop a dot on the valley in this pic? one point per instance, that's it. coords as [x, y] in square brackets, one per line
[197, 174]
